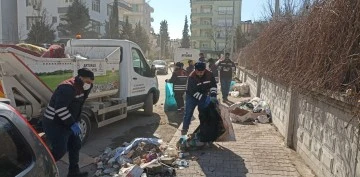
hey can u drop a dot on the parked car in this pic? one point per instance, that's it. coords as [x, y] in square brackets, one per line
[161, 66]
[149, 62]
[22, 151]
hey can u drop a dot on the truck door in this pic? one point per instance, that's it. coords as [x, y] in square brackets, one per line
[141, 79]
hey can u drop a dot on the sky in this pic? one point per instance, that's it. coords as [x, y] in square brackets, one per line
[174, 12]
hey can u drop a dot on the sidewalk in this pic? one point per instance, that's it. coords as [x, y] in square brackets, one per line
[258, 151]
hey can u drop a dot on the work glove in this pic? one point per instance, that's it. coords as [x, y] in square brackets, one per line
[75, 128]
[213, 100]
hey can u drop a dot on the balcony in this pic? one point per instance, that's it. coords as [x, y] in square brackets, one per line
[202, 26]
[202, 2]
[202, 14]
[201, 37]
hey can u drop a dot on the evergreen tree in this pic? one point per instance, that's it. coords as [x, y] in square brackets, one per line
[76, 20]
[112, 27]
[41, 31]
[164, 39]
[185, 41]
[127, 31]
[141, 38]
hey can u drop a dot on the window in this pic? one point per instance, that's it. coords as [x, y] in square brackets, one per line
[205, 45]
[224, 22]
[96, 5]
[15, 154]
[95, 26]
[54, 19]
[206, 21]
[135, 8]
[206, 9]
[139, 63]
[221, 45]
[30, 20]
[225, 10]
[109, 9]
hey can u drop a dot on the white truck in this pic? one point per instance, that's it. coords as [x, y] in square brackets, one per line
[123, 80]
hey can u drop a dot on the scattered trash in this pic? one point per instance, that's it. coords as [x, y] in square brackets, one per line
[253, 111]
[142, 157]
[134, 171]
[183, 155]
[242, 88]
[235, 93]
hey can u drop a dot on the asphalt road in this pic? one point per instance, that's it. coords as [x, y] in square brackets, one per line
[161, 125]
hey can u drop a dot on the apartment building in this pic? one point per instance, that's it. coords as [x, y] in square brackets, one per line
[17, 16]
[8, 22]
[141, 12]
[213, 23]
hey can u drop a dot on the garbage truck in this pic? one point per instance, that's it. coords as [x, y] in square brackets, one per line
[123, 80]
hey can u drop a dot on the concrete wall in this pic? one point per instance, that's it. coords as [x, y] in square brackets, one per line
[278, 98]
[313, 125]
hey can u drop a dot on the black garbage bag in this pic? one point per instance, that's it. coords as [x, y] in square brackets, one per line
[211, 125]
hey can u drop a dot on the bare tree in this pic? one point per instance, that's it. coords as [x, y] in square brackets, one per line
[288, 8]
[221, 32]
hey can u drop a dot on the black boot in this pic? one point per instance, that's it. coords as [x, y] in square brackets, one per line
[75, 172]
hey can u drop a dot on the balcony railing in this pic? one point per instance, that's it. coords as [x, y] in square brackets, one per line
[202, 14]
[200, 26]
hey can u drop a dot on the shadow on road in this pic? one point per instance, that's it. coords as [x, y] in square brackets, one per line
[175, 118]
[113, 135]
[220, 161]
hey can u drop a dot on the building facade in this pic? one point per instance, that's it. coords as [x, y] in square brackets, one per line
[17, 16]
[213, 23]
[141, 12]
[8, 22]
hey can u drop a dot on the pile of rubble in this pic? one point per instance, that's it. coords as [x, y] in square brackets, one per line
[253, 111]
[141, 158]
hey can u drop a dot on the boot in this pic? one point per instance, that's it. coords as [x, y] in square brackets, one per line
[75, 172]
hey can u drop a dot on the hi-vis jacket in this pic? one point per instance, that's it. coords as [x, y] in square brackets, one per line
[66, 102]
[226, 67]
[201, 87]
[179, 79]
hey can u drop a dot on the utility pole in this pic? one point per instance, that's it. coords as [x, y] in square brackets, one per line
[160, 54]
[277, 8]
[233, 30]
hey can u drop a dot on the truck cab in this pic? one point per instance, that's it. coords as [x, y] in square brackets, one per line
[123, 80]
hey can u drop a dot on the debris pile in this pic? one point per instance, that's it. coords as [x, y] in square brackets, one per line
[239, 89]
[252, 111]
[141, 158]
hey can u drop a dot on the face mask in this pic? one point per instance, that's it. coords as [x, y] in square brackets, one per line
[86, 86]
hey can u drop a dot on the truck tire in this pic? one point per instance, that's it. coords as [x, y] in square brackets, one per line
[85, 126]
[148, 105]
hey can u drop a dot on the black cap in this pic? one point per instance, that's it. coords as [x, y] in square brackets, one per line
[200, 66]
[85, 72]
[179, 64]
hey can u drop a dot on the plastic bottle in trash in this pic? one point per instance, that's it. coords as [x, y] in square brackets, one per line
[171, 152]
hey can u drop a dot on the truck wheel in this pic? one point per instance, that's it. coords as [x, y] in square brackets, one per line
[148, 105]
[85, 126]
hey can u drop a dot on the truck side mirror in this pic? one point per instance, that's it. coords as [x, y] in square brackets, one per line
[153, 71]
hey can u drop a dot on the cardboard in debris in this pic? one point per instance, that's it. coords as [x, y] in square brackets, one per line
[133, 171]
